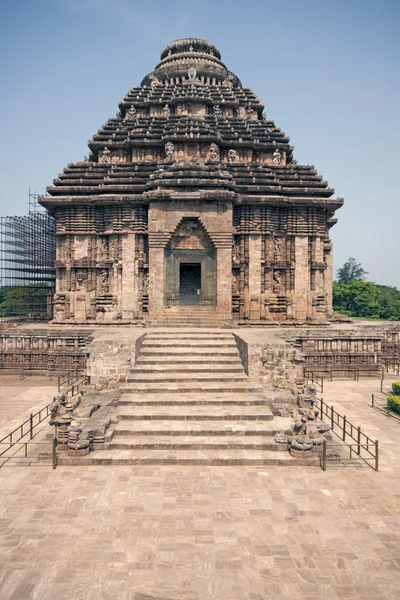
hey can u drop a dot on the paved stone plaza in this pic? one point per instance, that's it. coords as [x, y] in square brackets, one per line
[191, 533]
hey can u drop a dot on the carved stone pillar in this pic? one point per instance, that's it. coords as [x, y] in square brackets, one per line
[255, 276]
[129, 296]
[224, 281]
[328, 277]
[302, 278]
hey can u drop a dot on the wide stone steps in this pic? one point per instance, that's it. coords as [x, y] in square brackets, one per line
[199, 344]
[193, 376]
[183, 368]
[197, 412]
[200, 428]
[190, 400]
[187, 359]
[188, 457]
[195, 387]
[192, 442]
[182, 351]
[194, 324]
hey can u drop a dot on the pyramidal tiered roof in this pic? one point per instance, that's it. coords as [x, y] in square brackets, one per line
[190, 122]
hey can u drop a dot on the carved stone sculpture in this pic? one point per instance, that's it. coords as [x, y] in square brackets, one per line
[169, 151]
[214, 153]
[106, 155]
[277, 277]
[192, 73]
[277, 247]
[277, 157]
[104, 281]
[167, 111]
[217, 112]
[132, 112]
[232, 155]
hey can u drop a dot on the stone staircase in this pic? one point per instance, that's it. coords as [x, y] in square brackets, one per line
[188, 401]
[188, 316]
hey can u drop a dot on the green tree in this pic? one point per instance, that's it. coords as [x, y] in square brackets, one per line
[351, 271]
[366, 299]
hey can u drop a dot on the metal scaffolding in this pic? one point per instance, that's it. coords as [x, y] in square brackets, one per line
[27, 271]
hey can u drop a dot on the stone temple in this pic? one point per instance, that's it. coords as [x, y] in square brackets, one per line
[192, 207]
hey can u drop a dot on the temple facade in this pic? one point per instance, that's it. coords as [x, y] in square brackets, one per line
[191, 203]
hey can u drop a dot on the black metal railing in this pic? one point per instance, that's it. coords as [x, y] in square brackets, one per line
[26, 428]
[27, 444]
[339, 423]
[391, 365]
[312, 377]
[71, 381]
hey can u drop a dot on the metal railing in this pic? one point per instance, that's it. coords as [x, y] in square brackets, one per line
[330, 370]
[348, 430]
[392, 364]
[71, 381]
[26, 428]
[312, 377]
[384, 407]
[15, 456]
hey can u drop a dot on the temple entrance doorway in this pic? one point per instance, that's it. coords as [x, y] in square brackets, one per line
[189, 284]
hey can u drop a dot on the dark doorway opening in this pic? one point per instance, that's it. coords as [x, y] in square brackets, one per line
[190, 283]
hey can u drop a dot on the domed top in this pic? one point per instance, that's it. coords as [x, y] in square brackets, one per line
[200, 57]
[192, 45]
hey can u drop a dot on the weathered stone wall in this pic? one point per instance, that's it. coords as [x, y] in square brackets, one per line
[272, 361]
[112, 356]
[43, 351]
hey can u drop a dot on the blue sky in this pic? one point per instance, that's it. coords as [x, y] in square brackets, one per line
[327, 71]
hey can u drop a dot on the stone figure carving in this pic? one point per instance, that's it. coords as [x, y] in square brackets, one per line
[154, 81]
[104, 281]
[249, 111]
[214, 153]
[166, 111]
[58, 410]
[228, 81]
[192, 73]
[277, 156]
[232, 155]
[263, 115]
[106, 155]
[277, 277]
[169, 151]
[217, 111]
[132, 112]
[277, 247]
[145, 284]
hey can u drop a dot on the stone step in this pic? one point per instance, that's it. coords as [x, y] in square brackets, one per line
[190, 400]
[195, 413]
[182, 351]
[188, 359]
[201, 334]
[187, 457]
[188, 323]
[192, 376]
[192, 442]
[199, 428]
[190, 368]
[196, 387]
[183, 343]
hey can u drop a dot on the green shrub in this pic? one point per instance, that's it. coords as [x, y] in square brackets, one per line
[394, 403]
[396, 388]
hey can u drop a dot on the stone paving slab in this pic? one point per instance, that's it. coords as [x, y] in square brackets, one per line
[207, 533]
